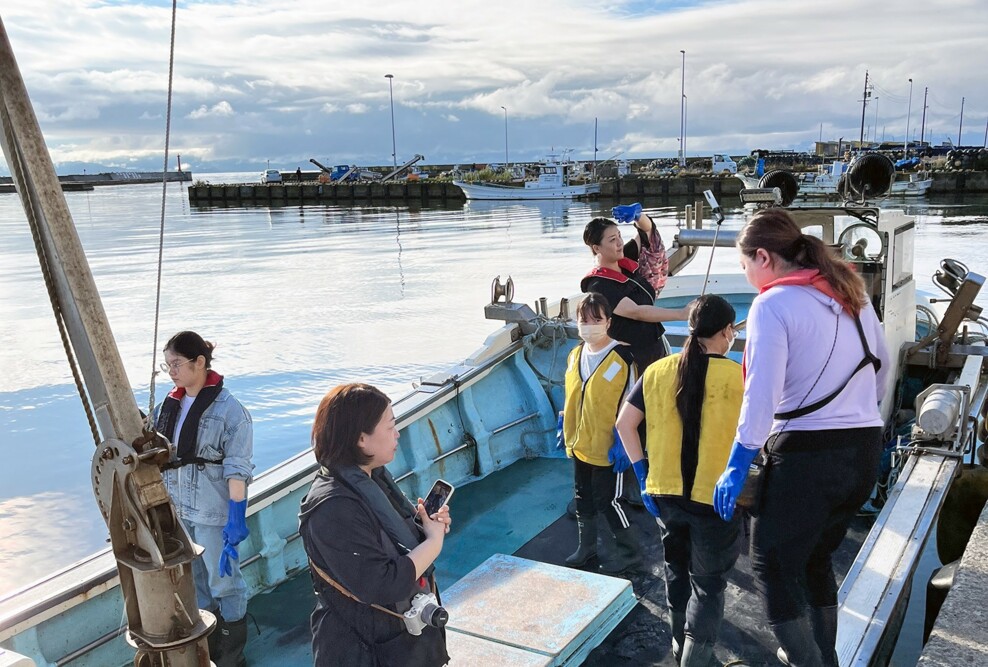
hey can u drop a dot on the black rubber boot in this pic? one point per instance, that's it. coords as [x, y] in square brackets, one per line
[677, 621]
[824, 623]
[627, 554]
[587, 549]
[232, 640]
[571, 508]
[799, 647]
[696, 654]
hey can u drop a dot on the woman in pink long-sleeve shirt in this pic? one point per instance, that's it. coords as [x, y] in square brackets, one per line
[816, 365]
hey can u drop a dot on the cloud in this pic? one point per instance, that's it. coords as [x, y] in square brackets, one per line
[756, 72]
[220, 109]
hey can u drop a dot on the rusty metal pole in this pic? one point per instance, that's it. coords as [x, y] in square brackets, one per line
[153, 550]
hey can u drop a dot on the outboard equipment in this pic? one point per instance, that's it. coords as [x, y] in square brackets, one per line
[870, 175]
[784, 180]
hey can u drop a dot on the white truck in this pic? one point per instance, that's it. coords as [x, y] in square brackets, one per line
[723, 164]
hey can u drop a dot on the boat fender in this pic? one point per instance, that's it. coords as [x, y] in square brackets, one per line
[785, 181]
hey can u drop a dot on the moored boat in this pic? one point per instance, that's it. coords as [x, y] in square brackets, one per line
[553, 182]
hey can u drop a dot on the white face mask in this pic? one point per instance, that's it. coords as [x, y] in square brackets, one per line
[592, 333]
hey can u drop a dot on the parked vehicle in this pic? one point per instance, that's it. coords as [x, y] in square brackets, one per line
[723, 164]
[271, 176]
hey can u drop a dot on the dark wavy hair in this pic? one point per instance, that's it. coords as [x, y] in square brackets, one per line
[774, 230]
[710, 314]
[343, 414]
[190, 345]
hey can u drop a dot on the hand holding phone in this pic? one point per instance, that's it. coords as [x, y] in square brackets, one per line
[438, 496]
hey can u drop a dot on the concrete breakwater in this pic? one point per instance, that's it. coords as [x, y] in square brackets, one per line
[257, 194]
[112, 178]
[248, 194]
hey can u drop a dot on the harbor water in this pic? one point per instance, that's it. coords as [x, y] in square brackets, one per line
[297, 300]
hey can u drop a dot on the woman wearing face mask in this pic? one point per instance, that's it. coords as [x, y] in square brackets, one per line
[691, 401]
[629, 275]
[598, 375]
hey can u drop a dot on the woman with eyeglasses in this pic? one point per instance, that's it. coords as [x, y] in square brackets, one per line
[690, 402]
[207, 479]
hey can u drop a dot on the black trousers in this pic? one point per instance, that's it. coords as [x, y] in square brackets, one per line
[815, 481]
[700, 550]
[598, 491]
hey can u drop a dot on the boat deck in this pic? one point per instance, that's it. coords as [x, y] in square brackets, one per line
[523, 510]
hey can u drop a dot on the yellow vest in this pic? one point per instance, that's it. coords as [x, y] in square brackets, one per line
[724, 388]
[592, 406]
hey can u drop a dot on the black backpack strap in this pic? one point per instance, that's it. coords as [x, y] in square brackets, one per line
[868, 360]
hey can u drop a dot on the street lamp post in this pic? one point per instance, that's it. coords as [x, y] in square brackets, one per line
[682, 115]
[686, 112]
[909, 111]
[505, 136]
[391, 94]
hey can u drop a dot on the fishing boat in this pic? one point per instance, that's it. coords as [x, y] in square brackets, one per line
[553, 182]
[826, 182]
[487, 425]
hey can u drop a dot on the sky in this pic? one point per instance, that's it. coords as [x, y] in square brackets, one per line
[274, 83]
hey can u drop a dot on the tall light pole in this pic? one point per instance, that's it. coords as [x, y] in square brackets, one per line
[686, 109]
[909, 111]
[391, 94]
[682, 115]
[505, 136]
[960, 128]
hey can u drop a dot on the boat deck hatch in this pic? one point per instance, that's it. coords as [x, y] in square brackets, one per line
[515, 611]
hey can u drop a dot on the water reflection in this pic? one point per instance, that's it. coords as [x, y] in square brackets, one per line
[299, 299]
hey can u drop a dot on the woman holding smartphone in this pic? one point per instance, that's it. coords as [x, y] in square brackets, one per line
[371, 551]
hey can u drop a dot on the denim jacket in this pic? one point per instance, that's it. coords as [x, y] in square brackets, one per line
[201, 493]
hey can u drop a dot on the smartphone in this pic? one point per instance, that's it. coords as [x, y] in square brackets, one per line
[438, 496]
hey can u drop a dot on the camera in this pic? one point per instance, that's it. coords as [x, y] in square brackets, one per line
[425, 610]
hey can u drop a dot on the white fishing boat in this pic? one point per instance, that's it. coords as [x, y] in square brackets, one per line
[553, 182]
[825, 182]
[486, 424]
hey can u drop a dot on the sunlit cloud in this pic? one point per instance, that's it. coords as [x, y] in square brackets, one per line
[218, 109]
[273, 73]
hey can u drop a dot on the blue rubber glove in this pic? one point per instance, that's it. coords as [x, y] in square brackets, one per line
[560, 440]
[641, 472]
[731, 481]
[616, 455]
[234, 532]
[627, 213]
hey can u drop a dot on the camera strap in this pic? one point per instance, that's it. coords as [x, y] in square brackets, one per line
[339, 587]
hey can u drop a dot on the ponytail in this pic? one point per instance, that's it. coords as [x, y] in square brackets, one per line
[709, 315]
[774, 230]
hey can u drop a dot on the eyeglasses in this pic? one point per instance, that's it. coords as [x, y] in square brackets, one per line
[174, 366]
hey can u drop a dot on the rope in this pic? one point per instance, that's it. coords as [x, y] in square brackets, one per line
[161, 230]
[556, 327]
[17, 167]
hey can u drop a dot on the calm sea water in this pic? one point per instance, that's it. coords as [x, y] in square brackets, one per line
[297, 300]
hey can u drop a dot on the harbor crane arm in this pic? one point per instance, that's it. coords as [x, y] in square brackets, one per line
[153, 551]
[402, 168]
